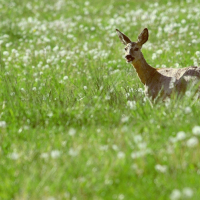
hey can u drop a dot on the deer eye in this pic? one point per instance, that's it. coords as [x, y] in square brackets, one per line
[125, 49]
[136, 49]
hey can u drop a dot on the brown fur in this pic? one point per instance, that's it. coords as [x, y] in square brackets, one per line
[157, 81]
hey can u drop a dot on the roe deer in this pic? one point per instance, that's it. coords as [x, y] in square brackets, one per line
[157, 81]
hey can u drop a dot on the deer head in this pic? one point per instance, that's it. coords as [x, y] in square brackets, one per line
[133, 49]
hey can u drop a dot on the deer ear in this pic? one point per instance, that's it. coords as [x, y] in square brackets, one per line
[124, 39]
[143, 37]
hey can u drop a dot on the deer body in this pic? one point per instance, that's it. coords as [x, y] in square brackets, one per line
[157, 81]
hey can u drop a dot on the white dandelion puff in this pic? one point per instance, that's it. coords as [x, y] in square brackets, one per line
[65, 77]
[2, 124]
[13, 156]
[72, 131]
[121, 155]
[187, 192]
[181, 135]
[85, 87]
[196, 130]
[55, 153]
[161, 168]
[192, 142]
[175, 195]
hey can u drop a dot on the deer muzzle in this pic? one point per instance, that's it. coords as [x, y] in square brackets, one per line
[129, 58]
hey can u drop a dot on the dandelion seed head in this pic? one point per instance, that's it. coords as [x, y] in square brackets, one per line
[65, 77]
[55, 153]
[181, 135]
[13, 156]
[154, 56]
[73, 152]
[124, 119]
[121, 155]
[2, 124]
[188, 110]
[121, 197]
[175, 195]
[6, 53]
[161, 168]
[87, 3]
[85, 87]
[196, 130]
[72, 131]
[115, 147]
[44, 155]
[187, 192]
[192, 142]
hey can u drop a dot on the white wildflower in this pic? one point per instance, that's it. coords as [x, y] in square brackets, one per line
[65, 77]
[196, 130]
[137, 138]
[173, 139]
[192, 142]
[124, 119]
[171, 84]
[161, 168]
[6, 53]
[13, 156]
[180, 135]
[55, 154]
[2, 124]
[55, 48]
[87, 3]
[188, 93]
[121, 197]
[115, 147]
[50, 114]
[44, 155]
[140, 153]
[107, 97]
[20, 130]
[154, 56]
[73, 152]
[85, 87]
[177, 65]
[188, 110]
[197, 53]
[183, 21]
[160, 51]
[176, 194]
[121, 154]
[142, 145]
[72, 131]
[187, 192]
[98, 130]
[131, 104]
[22, 89]
[140, 90]
[127, 95]
[92, 28]
[51, 198]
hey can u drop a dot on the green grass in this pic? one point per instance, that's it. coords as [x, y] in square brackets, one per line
[78, 125]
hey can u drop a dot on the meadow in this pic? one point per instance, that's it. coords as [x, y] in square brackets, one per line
[74, 121]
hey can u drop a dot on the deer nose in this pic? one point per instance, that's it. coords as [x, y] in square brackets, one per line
[129, 57]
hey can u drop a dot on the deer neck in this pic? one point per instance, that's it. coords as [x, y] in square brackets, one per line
[144, 70]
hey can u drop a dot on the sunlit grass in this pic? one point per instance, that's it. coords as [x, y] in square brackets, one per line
[74, 121]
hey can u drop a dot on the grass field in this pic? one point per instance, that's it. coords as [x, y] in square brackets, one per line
[74, 121]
